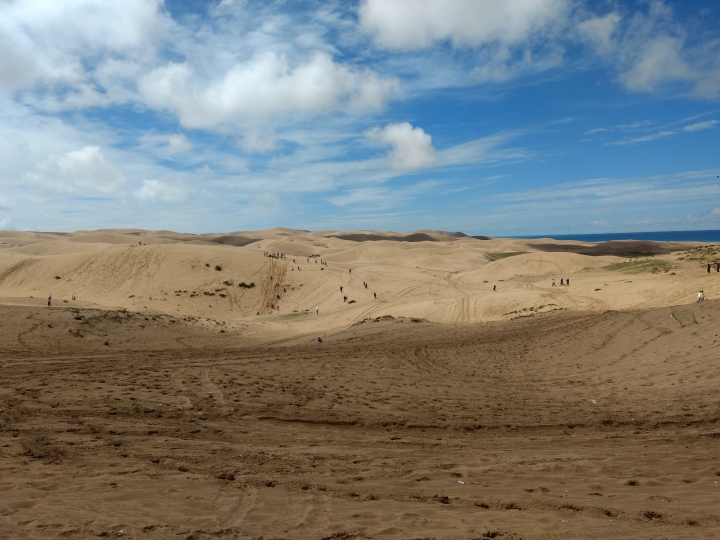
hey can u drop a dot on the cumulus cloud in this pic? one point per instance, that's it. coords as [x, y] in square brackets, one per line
[650, 50]
[263, 88]
[80, 171]
[74, 47]
[411, 147]
[155, 190]
[416, 24]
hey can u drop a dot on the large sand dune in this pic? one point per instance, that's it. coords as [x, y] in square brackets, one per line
[159, 403]
[448, 279]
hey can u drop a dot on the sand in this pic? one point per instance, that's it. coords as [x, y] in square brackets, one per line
[440, 410]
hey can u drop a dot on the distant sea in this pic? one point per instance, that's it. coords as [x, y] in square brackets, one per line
[662, 236]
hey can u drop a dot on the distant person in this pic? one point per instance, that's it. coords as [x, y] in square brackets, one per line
[319, 340]
[701, 296]
[344, 298]
[375, 295]
[351, 270]
[717, 267]
[567, 282]
[317, 310]
[708, 268]
[340, 288]
[561, 282]
[50, 300]
[73, 297]
[294, 261]
[494, 288]
[553, 283]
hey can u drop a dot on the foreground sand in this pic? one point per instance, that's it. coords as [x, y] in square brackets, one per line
[179, 421]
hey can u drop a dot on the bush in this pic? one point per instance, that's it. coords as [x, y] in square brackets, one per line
[218, 267]
[244, 285]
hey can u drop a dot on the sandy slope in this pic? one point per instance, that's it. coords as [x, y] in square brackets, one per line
[600, 425]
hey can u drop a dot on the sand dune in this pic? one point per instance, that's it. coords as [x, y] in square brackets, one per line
[172, 398]
[447, 280]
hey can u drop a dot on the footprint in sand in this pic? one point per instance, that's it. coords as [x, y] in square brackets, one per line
[181, 400]
[211, 389]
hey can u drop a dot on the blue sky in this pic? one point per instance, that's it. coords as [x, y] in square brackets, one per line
[498, 118]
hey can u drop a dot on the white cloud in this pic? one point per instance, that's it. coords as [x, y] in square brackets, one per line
[699, 126]
[265, 87]
[412, 147]
[381, 197]
[155, 190]
[651, 50]
[416, 24]
[64, 45]
[658, 61]
[715, 212]
[600, 32]
[79, 171]
[178, 143]
[645, 138]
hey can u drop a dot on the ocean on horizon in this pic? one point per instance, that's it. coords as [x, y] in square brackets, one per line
[711, 236]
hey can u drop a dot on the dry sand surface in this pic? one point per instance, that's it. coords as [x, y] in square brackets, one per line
[159, 404]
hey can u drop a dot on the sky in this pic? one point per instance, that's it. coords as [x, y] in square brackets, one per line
[521, 117]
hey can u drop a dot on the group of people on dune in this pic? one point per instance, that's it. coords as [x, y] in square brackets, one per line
[563, 282]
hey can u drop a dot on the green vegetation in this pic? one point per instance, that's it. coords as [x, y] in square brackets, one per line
[497, 256]
[218, 267]
[244, 285]
[700, 253]
[314, 255]
[653, 266]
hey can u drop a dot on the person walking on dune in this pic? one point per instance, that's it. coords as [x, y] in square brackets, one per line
[340, 288]
[553, 283]
[494, 288]
[317, 310]
[567, 282]
[561, 282]
[50, 300]
[375, 295]
[708, 268]
[717, 267]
